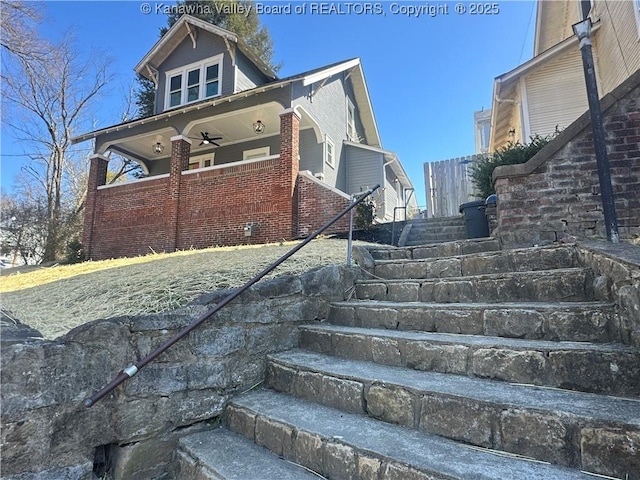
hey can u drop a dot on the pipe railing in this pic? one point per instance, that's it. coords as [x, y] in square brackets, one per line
[130, 371]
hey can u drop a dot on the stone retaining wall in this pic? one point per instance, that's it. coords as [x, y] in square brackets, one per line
[48, 433]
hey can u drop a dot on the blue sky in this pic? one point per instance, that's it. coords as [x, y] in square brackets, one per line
[426, 74]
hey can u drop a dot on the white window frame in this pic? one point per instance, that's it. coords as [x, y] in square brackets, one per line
[329, 159]
[202, 159]
[256, 153]
[352, 134]
[183, 72]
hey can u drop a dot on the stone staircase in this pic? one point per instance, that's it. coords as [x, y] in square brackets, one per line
[432, 230]
[452, 361]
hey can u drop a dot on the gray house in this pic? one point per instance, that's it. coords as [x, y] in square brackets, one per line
[233, 153]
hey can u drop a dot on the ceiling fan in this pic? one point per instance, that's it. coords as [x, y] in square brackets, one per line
[207, 140]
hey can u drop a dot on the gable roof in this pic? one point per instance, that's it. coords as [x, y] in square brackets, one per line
[307, 78]
[183, 28]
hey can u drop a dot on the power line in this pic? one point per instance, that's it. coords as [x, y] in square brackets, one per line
[524, 42]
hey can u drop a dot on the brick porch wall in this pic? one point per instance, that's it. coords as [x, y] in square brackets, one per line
[316, 204]
[195, 209]
[557, 192]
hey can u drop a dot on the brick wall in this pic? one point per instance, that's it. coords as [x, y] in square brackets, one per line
[216, 205]
[557, 192]
[130, 220]
[316, 204]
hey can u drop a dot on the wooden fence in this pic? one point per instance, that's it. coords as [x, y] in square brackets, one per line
[448, 185]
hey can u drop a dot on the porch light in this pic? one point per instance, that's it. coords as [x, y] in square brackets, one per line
[258, 127]
[582, 29]
[158, 148]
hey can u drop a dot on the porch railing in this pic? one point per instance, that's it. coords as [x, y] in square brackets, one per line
[130, 371]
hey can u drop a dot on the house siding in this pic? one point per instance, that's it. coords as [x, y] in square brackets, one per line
[248, 76]
[207, 46]
[556, 93]
[616, 44]
[328, 107]
[311, 152]
[364, 168]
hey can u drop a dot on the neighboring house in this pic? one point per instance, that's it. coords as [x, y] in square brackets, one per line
[548, 92]
[233, 153]
[482, 124]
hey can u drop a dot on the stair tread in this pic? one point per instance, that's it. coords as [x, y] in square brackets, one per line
[587, 405]
[482, 305]
[471, 255]
[486, 276]
[420, 450]
[477, 340]
[225, 453]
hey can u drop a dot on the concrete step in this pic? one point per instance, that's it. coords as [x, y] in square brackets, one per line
[521, 260]
[438, 221]
[224, 455]
[569, 284]
[340, 445]
[581, 430]
[564, 321]
[447, 249]
[598, 368]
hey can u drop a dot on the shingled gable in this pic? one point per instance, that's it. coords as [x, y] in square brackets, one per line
[187, 26]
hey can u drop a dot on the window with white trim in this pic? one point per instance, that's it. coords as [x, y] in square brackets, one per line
[194, 82]
[201, 161]
[330, 152]
[256, 153]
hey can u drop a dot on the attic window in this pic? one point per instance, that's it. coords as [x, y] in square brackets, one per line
[352, 135]
[194, 82]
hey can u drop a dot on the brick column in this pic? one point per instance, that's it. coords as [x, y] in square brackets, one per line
[289, 168]
[180, 151]
[97, 177]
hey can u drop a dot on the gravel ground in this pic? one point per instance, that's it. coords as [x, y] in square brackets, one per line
[56, 299]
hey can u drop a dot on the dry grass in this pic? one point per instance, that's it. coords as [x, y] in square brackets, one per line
[54, 300]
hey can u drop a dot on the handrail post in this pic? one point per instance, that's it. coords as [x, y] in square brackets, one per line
[350, 240]
[133, 369]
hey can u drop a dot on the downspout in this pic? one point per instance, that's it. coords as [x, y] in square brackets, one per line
[384, 183]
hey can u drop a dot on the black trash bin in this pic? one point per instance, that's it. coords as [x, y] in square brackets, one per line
[475, 221]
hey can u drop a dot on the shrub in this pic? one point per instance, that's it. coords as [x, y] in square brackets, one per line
[75, 254]
[512, 154]
[365, 212]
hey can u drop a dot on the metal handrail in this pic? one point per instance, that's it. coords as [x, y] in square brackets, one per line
[135, 368]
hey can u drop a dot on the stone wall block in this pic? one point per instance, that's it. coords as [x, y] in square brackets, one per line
[458, 418]
[541, 436]
[436, 358]
[514, 323]
[391, 404]
[611, 452]
[509, 365]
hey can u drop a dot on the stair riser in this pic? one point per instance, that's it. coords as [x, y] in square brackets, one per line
[581, 324]
[438, 230]
[568, 286]
[500, 262]
[330, 457]
[612, 373]
[435, 251]
[188, 467]
[562, 440]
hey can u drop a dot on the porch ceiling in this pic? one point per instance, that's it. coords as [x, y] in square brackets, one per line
[233, 127]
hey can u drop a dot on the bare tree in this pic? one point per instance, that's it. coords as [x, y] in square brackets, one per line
[46, 99]
[17, 24]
